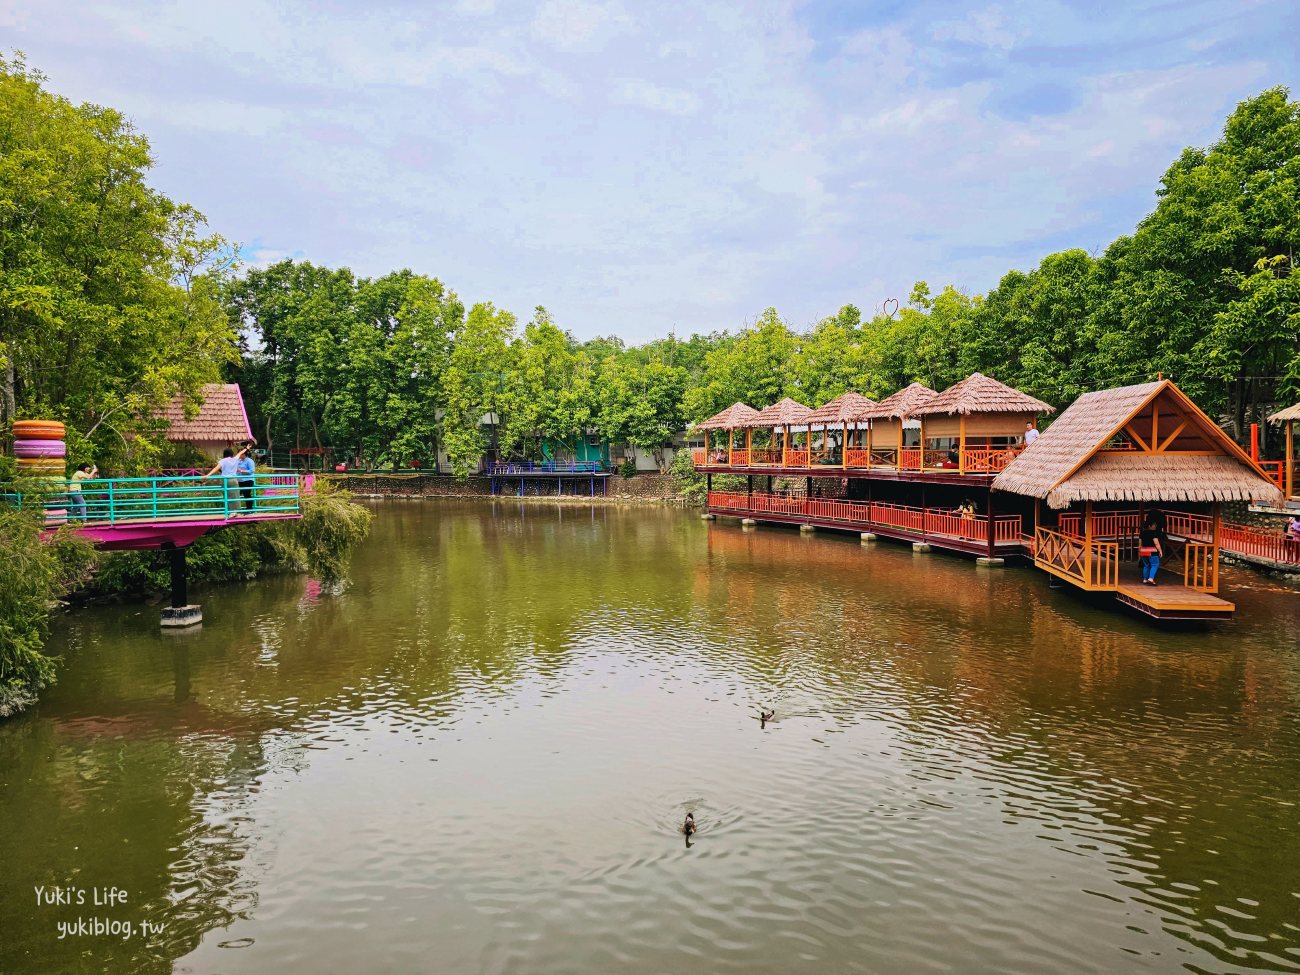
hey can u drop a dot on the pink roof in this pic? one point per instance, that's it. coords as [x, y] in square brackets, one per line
[220, 418]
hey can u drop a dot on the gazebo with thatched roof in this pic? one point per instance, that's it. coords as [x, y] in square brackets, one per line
[1147, 445]
[1290, 416]
[787, 416]
[847, 413]
[977, 425]
[737, 416]
[891, 428]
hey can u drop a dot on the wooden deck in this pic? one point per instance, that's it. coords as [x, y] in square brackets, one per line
[1173, 601]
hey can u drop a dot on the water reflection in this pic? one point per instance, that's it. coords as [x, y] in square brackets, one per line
[482, 751]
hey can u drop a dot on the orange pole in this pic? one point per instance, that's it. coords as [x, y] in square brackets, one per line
[844, 444]
[1290, 458]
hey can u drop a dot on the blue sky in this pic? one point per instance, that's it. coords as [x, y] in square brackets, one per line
[640, 168]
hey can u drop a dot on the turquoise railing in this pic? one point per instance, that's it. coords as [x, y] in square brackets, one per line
[136, 500]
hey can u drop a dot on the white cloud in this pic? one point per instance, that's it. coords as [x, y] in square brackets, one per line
[655, 166]
[571, 24]
[658, 98]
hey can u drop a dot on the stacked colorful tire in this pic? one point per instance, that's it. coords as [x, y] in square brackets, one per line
[40, 451]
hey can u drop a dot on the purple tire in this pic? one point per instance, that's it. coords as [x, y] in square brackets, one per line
[40, 448]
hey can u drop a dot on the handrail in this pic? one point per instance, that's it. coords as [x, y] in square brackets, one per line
[1201, 567]
[1092, 565]
[936, 522]
[141, 500]
[546, 467]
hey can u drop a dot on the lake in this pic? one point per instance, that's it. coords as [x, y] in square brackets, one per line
[478, 755]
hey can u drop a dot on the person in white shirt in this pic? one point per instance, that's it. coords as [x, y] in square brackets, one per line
[229, 468]
[1031, 433]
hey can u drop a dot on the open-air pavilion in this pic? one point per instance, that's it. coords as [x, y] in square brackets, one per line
[976, 425]
[1111, 457]
[1290, 464]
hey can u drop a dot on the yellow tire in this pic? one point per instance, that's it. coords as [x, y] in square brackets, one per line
[38, 430]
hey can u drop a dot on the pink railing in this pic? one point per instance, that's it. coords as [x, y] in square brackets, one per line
[869, 514]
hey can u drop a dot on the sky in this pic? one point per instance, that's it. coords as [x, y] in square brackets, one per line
[643, 168]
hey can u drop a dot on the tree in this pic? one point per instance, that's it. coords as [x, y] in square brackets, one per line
[108, 289]
[474, 382]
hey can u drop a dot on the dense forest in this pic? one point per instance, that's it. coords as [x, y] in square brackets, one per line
[114, 298]
[1201, 292]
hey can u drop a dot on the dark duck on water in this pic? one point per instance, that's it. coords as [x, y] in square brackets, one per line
[688, 827]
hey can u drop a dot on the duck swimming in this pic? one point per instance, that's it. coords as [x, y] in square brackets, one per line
[765, 715]
[688, 827]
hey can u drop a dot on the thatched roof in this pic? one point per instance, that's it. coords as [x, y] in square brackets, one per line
[735, 416]
[1290, 413]
[785, 413]
[902, 403]
[1063, 465]
[1159, 477]
[848, 407]
[978, 393]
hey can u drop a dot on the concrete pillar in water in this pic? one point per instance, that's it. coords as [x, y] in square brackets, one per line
[807, 528]
[748, 522]
[707, 516]
[180, 612]
[920, 546]
[868, 536]
[990, 560]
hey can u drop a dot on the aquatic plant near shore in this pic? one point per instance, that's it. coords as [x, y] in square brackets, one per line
[34, 575]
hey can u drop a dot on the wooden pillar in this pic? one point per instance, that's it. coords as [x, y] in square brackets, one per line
[989, 510]
[844, 444]
[921, 459]
[749, 484]
[749, 447]
[1087, 542]
[961, 455]
[1290, 458]
[1217, 516]
[731, 443]
[785, 445]
[870, 424]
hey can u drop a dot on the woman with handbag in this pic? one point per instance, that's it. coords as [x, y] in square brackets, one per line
[1150, 549]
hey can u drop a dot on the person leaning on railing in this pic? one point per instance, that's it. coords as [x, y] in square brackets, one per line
[228, 467]
[77, 502]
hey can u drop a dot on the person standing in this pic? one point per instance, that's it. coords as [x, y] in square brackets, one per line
[1031, 433]
[228, 469]
[77, 501]
[246, 468]
[1150, 550]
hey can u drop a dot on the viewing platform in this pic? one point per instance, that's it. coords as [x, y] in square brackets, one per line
[163, 512]
[591, 474]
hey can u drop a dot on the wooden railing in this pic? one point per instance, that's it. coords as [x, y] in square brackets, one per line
[1276, 471]
[910, 458]
[1259, 543]
[857, 457]
[988, 460]
[1201, 567]
[874, 514]
[1092, 565]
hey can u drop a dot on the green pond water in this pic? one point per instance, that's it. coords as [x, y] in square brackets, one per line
[477, 757]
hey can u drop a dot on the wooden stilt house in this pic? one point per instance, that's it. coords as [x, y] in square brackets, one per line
[1112, 457]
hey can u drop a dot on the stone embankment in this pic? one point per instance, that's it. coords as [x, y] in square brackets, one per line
[641, 489]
